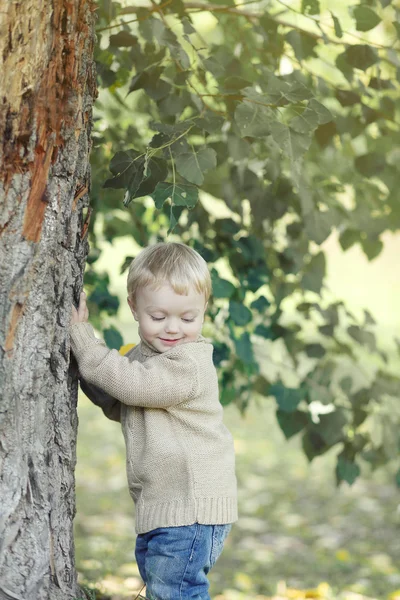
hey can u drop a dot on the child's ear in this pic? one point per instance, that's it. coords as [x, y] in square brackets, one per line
[132, 307]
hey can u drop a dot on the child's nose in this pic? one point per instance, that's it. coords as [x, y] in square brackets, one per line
[172, 326]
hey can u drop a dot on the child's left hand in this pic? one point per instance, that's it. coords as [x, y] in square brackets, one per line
[82, 314]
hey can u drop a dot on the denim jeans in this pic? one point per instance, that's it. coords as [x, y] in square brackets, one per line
[174, 561]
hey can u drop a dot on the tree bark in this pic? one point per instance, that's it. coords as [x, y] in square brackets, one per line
[47, 87]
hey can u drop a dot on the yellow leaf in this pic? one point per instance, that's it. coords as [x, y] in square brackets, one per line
[343, 555]
[318, 593]
[243, 581]
[124, 349]
[394, 595]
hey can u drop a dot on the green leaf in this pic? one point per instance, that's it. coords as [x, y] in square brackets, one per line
[363, 337]
[397, 478]
[212, 65]
[103, 299]
[378, 83]
[296, 92]
[146, 179]
[310, 7]
[144, 79]
[221, 352]
[331, 425]
[221, 288]
[313, 444]
[292, 143]
[288, 399]
[239, 313]
[173, 104]
[172, 130]
[210, 122]
[192, 165]
[123, 166]
[324, 115]
[314, 273]
[278, 91]
[187, 26]
[368, 318]
[233, 84]
[347, 97]
[180, 146]
[261, 304]
[244, 349]
[253, 120]
[161, 33]
[238, 148]
[396, 25]
[319, 225]
[302, 43]
[265, 332]
[179, 54]
[366, 18]
[228, 395]
[315, 350]
[370, 164]
[306, 122]
[180, 194]
[157, 89]
[337, 26]
[113, 338]
[327, 330]
[226, 227]
[291, 423]
[347, 470]
[348, 238]
[343, 66]
[361, 56]
[325, 133]
[123, 39]
[372, 247]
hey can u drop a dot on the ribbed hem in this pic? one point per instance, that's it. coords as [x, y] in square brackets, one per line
[180, 512]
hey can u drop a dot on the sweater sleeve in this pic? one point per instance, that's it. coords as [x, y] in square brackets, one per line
[163, 380]
[109, 405]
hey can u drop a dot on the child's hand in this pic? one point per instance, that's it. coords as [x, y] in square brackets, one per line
[82, 314]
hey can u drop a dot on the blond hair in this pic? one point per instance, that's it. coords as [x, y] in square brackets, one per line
[173, 263]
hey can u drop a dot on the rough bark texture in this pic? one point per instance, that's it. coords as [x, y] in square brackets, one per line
[47, 88]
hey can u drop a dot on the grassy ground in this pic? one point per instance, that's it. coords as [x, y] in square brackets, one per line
[296, 529]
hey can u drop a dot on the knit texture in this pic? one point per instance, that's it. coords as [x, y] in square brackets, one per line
[179, 454]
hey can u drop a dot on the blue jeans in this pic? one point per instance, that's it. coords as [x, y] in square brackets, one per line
[174, 561]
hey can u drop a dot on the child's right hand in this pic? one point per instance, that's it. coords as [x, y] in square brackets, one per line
[82, 314]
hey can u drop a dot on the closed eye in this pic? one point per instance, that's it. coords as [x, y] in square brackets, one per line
[158, 318]
[188, 320]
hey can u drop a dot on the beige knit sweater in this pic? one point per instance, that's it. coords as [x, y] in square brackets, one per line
[179, 454]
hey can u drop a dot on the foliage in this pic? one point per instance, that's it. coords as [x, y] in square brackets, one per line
[290, 117]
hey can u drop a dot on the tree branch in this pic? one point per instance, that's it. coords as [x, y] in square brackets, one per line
[251, 15]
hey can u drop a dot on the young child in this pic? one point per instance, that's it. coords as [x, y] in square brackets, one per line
[179, 454]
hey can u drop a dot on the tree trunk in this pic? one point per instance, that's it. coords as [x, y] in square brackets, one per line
[47, 86]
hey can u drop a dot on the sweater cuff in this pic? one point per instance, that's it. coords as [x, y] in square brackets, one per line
[82, 337]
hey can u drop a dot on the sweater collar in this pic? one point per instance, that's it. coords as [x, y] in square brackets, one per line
[148, 350]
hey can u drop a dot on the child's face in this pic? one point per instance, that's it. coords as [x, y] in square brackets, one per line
[166, 318]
